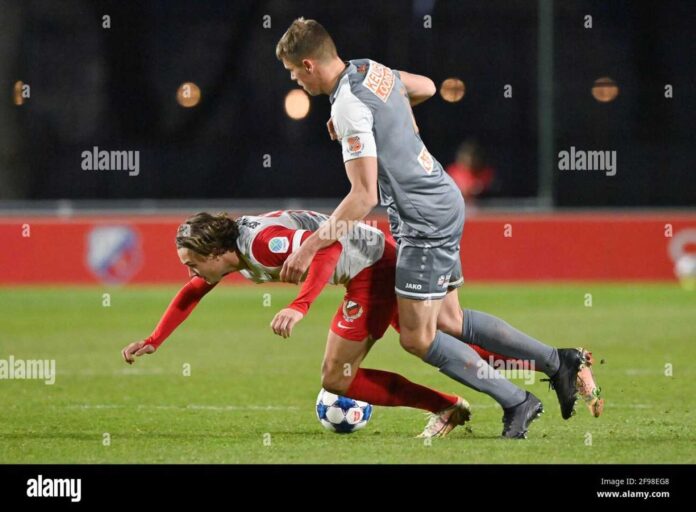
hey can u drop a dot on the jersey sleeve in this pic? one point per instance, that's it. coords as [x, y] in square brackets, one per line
[320, 271]
[272, 245]
[179, 309]
[353, 123]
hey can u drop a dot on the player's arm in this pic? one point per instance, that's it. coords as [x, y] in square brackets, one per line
[178, 310]
[360, 201]
[353, 123]
[271, 247]
[320, 271]
[418, 87]
[362, 198]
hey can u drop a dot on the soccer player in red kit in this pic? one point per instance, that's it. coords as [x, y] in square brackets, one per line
[213, 246]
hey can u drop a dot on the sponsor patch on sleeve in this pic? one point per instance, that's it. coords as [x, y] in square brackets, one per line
[358, 145]
[279, 244]
[355, 145]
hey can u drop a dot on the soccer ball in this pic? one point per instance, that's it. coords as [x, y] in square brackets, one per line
[341, 414]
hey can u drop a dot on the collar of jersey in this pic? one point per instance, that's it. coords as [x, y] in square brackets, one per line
[349, 68]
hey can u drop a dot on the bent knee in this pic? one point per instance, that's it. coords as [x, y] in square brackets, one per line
[416, 342]
[335, 379]
[451, 322]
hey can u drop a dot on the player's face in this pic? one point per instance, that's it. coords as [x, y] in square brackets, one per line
[210, 268]
[305, 75]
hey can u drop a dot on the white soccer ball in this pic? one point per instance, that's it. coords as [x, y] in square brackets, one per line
[341, 414]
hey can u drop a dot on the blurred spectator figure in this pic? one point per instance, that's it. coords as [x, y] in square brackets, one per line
[470, 171]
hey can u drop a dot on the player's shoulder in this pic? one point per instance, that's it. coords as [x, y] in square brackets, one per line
[247, 223]
[250, 226]
[350, 98]
[349, 84]
[247, 226]
[259, 234]
[363, 67]
[368, 82]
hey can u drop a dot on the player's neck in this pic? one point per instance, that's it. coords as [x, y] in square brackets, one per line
[333, 74]
[234, 261]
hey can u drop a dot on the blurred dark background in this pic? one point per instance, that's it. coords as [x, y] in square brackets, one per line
[116, 89]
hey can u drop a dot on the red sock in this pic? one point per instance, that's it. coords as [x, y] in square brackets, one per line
[385, 388]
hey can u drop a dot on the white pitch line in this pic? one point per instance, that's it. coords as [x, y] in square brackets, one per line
[643, 371]
[89, 372]
[611, 405]
[197, 407]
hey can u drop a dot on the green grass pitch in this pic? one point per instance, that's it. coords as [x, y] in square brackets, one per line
[250, 395]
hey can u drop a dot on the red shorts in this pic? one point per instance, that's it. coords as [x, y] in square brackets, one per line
[369, 306]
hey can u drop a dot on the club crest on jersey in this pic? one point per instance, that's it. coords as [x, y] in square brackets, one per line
[351, 310]
[426, 160]
[355, 145]
[279, 244]
[379, 80]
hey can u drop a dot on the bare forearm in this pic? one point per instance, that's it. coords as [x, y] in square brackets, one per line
[353, 208]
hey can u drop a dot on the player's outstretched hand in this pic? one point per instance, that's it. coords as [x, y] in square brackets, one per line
[332, 130]
[284, 321]
[136, 349]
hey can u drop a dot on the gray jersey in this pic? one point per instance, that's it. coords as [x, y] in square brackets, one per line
[363, 247]
[372, 117]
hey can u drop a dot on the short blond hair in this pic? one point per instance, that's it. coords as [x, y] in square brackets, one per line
[305, 39]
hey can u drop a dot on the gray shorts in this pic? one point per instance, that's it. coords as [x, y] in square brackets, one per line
[424, 272]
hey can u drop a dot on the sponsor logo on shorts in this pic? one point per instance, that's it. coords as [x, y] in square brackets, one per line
[355, 145]
[351, 310]
[426, 160]
[379, 80]
[412, 286]
[279, 244]
[340, 324]
[443, 280]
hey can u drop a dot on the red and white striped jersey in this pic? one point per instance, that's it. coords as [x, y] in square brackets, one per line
[265, 241]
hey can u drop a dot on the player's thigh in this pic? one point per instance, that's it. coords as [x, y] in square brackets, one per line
[361, 319]
[423, 274]
[417, 323]
[368, 307]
